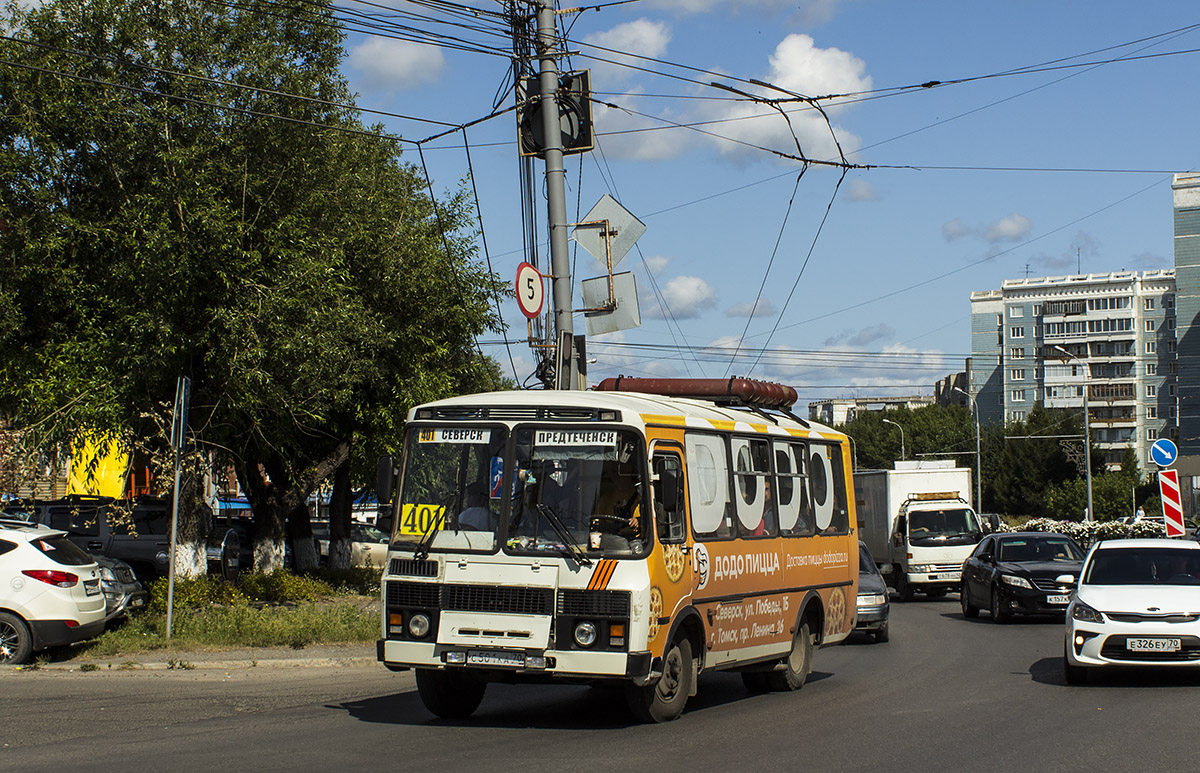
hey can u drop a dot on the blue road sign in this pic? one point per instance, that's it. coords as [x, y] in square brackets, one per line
[1163, 452]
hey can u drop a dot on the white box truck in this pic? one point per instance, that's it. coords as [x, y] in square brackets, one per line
[917, 523]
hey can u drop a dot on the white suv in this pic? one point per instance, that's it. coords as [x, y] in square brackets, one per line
[49, 591]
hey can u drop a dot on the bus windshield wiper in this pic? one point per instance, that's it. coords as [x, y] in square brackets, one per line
[573, 549]
[421, 552]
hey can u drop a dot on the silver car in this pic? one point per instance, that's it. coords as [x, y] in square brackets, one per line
[122, 591]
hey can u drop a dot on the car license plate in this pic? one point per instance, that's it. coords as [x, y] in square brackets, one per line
[1058, 599]
[1152, 645]
[508, 659]
[91, 587]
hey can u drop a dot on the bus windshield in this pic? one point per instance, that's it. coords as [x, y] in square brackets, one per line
[571, 491]
[584, 482]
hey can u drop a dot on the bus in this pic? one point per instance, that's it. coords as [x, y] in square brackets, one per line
[638, 534]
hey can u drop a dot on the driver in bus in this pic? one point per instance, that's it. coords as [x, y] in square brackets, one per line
[476, 516]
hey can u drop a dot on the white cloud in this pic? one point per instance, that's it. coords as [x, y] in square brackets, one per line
[862, 337]
[955, 229]
[641, 36]
[799, 66]
[621, 129]
[861, 190]
[396, 65]
[1008, 229]
[686, 297]
[657, 263]
[762, 309]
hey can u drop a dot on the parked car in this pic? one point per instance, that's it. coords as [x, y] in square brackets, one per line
[123, 593]
[368, 545]
[1137, 604]
[873, 604]
[50, 591]
[1020, 573]
[134, 531]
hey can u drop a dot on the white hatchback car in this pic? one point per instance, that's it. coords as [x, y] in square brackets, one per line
[49, 591]
[1137, 603]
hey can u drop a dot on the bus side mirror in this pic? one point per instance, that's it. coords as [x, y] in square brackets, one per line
[669, 486]
[384, 474]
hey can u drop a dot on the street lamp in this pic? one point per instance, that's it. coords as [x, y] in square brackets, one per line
[897, 426]
[1087, 433]
[978, 458]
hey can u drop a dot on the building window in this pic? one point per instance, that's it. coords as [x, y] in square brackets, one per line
[1171, 347]
[1151, 347]
[1017, 395]
[1169, 301]
[1017, 374]
[1171, 390]
[1016, 332]
[1171, 323]
[1017, 353]
[1151, 369]
[1149, 326]
[1148, 304]
[1016, 311]
[1171, 413]
[1037, 310]
[1151, 390]
[1151, 412]
[999, 320]
[1152, 434]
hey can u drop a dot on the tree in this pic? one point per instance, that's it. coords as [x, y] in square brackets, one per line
[172, 206]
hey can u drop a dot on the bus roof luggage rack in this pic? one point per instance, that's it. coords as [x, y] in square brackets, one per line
[734, 391]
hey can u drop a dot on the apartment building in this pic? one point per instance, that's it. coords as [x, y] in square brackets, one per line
[1105, 339]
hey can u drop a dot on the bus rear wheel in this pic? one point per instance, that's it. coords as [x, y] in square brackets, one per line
[450, 694]
[798, 664]
[664, 700]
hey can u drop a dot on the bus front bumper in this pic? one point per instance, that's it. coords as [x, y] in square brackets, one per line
[566, 664]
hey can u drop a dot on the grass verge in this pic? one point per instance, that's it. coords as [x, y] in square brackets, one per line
[258, 610]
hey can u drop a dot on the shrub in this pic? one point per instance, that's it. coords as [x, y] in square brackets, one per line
[1087, 532]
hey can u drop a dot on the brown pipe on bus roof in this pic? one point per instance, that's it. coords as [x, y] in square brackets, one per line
[764, 394]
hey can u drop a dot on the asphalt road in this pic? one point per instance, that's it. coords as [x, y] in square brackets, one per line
[945, 694]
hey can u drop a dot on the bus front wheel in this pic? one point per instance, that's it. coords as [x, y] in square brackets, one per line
[664, 700]
[450, 694]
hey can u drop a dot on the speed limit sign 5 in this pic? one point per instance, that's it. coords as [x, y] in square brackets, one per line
[531, 294]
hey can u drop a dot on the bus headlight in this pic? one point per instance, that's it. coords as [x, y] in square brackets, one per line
[418, 625]
[585, 633]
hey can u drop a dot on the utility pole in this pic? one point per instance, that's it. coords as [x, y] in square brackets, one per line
[567, 360]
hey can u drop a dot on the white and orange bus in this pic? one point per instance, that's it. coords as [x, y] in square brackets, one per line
[642, 533]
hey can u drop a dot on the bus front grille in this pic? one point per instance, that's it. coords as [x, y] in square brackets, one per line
[584, 603]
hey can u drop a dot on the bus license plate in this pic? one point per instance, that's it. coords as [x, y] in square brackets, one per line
[507, 659]
[1059, 599]
[1152, 645]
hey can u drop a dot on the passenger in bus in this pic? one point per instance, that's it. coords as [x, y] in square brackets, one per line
[476, 516]
[769, 520]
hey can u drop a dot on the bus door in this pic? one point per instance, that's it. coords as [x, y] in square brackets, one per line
[670, 565]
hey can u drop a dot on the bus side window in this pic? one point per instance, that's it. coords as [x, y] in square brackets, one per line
[708, 486]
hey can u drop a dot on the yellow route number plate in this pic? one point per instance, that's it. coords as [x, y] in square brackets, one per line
[416, 520]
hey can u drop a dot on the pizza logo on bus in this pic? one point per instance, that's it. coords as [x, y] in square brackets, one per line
[656, 610]
[836, 614]
[674, 561]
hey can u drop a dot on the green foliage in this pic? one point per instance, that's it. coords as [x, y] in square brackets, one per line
[928, 431]
[167, 211]
[258, 588]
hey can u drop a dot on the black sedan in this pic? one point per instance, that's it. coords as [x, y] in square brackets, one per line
[872, 597]
[1018, 574]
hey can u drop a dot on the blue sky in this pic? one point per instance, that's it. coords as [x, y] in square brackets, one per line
[1035, 172]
